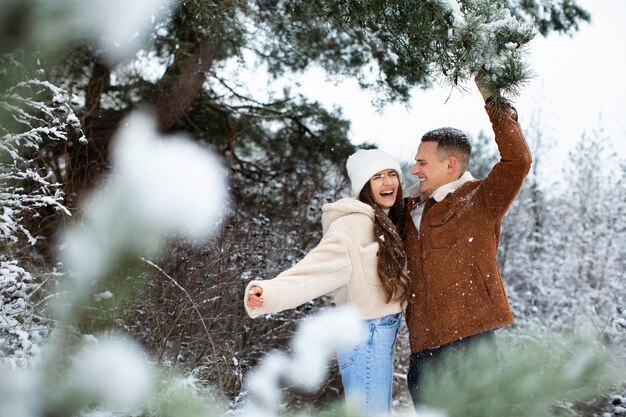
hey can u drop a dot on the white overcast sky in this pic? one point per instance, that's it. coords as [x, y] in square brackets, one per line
[579, 85]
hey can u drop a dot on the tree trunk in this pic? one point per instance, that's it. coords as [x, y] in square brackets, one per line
[183, 81]
[86, 162]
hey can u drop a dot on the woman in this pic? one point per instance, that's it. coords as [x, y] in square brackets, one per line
[360, 260]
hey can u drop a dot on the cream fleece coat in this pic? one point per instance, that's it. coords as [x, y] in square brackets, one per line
[344, 264]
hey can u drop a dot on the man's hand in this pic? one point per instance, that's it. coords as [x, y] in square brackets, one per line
[254, 297]
[484, 91]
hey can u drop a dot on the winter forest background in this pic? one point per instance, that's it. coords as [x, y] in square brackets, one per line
[141, 187]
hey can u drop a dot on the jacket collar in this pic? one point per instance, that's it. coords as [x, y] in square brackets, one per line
[442, 192]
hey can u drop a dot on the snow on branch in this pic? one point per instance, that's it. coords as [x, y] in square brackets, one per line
[35, 114]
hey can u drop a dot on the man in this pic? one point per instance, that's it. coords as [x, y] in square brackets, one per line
[452, 234]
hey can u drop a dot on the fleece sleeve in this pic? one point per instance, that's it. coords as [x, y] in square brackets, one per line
[324, 269]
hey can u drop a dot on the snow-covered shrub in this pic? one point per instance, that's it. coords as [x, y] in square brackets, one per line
[15, 287]
[562, 251]
[34, 114]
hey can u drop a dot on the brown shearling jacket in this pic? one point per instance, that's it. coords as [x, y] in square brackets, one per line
[456, 287]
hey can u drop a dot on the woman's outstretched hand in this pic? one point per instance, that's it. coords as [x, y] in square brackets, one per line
[254, 297]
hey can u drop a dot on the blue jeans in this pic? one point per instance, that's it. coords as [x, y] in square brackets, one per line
[367, 369]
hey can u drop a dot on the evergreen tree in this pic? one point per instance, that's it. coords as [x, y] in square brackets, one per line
[390, 46]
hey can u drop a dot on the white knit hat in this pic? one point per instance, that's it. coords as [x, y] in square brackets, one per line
[364, 163]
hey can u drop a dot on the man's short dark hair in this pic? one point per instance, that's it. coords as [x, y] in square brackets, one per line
[451, 140]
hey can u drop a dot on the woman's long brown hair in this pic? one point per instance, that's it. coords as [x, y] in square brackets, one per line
[391, 255]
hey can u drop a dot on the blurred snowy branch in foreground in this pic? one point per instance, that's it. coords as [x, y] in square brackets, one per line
[159, 187]
[527, 377]
[317, 342]
[118, 27]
